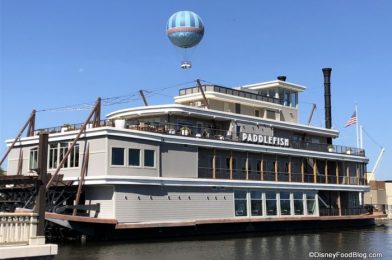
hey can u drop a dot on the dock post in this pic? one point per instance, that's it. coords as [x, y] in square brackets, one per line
[42, 179]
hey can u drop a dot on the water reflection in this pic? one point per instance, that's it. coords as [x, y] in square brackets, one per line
[260, 246]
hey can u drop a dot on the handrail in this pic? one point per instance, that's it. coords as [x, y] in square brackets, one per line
[231, 91]
[213, 133]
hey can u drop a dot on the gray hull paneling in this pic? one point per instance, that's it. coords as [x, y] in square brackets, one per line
[152, 203]
[104, 195]
[179, 161]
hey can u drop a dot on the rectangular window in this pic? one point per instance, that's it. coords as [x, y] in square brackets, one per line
[286, 99]
[311, 203]
[149, 158]
[271, 114]
[133, 157]
[256, 203]
[257, 113]
[117, 156]
[74, 157]
[237, 108]
[53, 156]
[270, 202]
[285, 203]
[293, 99]
[33, 159]
[63, 151]
[57, 152]
[298, 203]
[240, 203]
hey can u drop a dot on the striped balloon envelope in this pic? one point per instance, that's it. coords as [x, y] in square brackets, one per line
[185, 29]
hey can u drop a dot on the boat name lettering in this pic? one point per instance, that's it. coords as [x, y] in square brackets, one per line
[264, 139]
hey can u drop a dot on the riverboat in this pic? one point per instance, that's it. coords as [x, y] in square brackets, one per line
[219, 158]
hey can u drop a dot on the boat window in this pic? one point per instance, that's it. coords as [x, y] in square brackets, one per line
[293, 99]
[53, 152]
[237, 108]
[311, 203]
[256, 203]
[286, 99]
[285, 203]
[57, 152]
[117, 156]
[270, 202]
[74, 156]
[149, 158]
[33, 159]
[63, 151]
[240, 203]
[271, 114]
[298, 203]
[133, 157]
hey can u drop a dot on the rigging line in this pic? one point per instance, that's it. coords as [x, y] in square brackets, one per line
[122, 96]
[117, 100]
[66, 107]
[371, 138]
[110, 100]
[169, 87]
[211, 83]
[161, 94]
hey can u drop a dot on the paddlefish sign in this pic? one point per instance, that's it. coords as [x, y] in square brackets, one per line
[264, 139]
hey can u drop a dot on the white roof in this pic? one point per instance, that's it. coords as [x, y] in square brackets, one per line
[209, 113]
[275, 84]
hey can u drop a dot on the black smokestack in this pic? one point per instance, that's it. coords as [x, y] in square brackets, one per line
[282, 78]
[327, 99]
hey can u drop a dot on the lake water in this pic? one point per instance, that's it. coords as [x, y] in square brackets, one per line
[358, 242]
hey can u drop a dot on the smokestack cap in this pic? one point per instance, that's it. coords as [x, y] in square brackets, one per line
[327, 71]
[282, 78]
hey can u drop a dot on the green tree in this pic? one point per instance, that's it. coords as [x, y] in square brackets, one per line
[1, 171]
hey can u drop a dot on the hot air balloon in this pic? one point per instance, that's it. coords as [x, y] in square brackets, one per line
[185, 30]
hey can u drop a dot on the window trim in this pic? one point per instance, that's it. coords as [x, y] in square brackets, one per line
[33, 151]
[58, 155]
[140, 158]
[155, 159]
[246, 203]
[111, 157]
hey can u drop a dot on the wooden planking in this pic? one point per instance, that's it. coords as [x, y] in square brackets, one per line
[237, 220]
[51, 215]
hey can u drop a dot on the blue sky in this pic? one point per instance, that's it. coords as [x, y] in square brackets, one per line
[64, 52]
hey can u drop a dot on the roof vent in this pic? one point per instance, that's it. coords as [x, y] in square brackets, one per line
[281, 78]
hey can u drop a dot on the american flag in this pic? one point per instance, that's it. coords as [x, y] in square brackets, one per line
[352, 120]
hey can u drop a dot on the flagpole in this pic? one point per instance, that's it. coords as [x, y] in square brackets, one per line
[357, 124]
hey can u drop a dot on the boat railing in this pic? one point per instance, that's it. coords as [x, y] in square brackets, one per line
[232, 92]
[70, 127]
[227, 135]
[259, 175]
[206, 133]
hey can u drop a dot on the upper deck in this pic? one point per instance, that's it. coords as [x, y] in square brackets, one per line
[276, 100]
